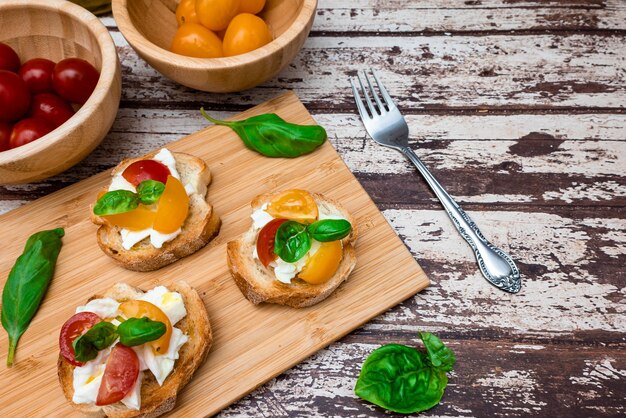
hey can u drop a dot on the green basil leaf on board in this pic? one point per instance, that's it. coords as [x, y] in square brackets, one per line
[329, 229]
[117, 201]
[98, 337]
[292, 241]
[137, 331]
[403, 379]
[27, 284]
[272, 136]
[149, 191]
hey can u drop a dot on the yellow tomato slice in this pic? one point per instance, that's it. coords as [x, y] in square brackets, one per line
[324, 263]
[139, 309]
[296, 205]
[173, 207]
[135, 220]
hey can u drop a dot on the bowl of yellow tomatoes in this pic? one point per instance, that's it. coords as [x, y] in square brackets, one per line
[216, 45]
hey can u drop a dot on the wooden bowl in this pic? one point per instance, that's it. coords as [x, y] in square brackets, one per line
[57, 29]
[149, 26]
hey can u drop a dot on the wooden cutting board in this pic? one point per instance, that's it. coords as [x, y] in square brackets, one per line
[251, 343]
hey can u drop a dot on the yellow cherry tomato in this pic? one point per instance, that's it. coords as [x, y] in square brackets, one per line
[139, 309]
[245, 33]
[296, 205]
[194, 40]
[135, 220]
[216, 14]
[251, 6]
[173, 207]
[186, 12]
[324, 263]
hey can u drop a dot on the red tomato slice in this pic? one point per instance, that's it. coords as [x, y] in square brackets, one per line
[120, 375]
[265, 242]
[73, 328]
[146, 170]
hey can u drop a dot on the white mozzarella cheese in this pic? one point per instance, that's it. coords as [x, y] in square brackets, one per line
[171, 303]
[120, 183]
[167, 158]
[130, 238]
[104, 308]
[87, 378]
[161, 365]
[133, 399]
[260, 217]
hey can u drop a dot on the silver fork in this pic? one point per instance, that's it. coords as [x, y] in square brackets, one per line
[386, 125]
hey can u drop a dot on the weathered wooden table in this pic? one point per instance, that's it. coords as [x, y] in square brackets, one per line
[518, 108]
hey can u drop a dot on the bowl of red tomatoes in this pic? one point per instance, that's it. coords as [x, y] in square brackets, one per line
[216, 45]
[60, 87]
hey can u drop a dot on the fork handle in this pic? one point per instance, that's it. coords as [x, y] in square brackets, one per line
[496, 265]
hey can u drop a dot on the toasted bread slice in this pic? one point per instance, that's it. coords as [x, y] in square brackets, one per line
[155, 400]
[202, 223]
[258, 283]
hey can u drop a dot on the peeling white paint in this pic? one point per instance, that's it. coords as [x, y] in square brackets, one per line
[600, 191]
[596, 372]
[520, 385]
[448, 15]
[7, 205]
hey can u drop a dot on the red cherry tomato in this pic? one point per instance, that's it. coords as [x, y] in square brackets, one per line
[37, 74]
[14, 96]
[29, 129]
[51, 107]
[8, 58]
[265, 242]
[74, 79]
[5, 136]
[73, 328]
[120, 375]
[146, 170]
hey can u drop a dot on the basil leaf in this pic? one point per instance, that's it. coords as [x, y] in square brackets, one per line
[329, 229]
[84, 350]
[403, 379]
[439, 355]
[27, 284]
[99, 337]
[272, 136]
[137, 331]
[150, 191]
[292, 241]
[117, 201]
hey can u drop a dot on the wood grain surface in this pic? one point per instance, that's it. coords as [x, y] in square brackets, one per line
[518, 108]
[251, 344]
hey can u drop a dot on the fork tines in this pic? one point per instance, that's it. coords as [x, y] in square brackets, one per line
[381, 106]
